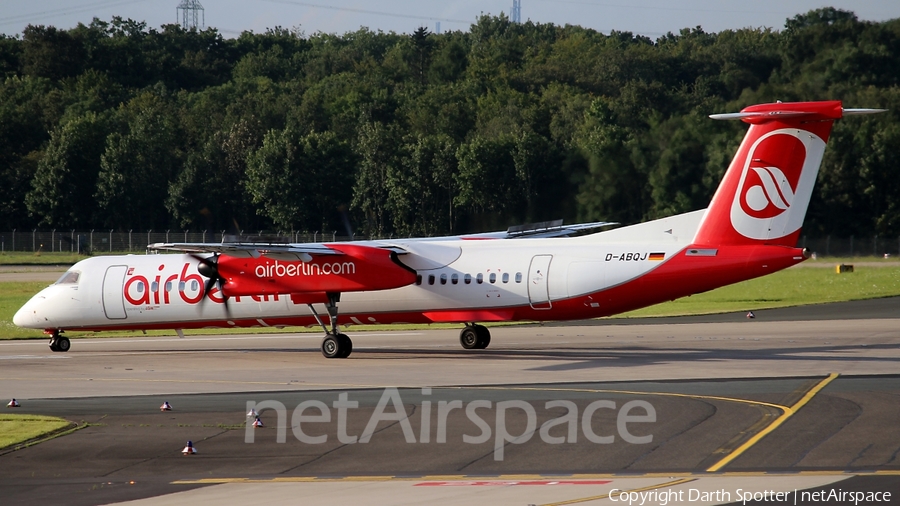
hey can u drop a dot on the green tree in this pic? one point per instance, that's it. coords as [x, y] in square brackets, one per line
[51, 53]
[378, 150]
[65, 178]
[487, 182]
[137, 165]
[420, 188]
[210, 190]
[613, 189]
[299, 180]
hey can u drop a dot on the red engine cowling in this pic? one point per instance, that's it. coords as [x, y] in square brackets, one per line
[358, 268]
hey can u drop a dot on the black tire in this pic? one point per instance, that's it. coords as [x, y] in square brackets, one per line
[468, 338]
[63, 344]
[53, 346]
[346, 345]
[331, 347]
[484, 337]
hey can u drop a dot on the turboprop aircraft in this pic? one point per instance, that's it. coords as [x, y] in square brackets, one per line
[539, 273]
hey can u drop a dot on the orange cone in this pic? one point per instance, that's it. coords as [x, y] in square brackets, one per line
[252, 414]
[189, 449]
[165, 406]
[258, 423]
[13, 404]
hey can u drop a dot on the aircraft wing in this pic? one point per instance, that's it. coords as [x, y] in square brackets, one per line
[543, 229]
[288, 252]
[305, 252]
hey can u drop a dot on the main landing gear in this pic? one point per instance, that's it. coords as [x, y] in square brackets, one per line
[335, 344]
[59, 342]
[475, 337]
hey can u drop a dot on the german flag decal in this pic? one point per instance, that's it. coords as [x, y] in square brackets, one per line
[656, 256]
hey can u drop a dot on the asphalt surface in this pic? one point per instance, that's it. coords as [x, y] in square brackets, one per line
[713, 388]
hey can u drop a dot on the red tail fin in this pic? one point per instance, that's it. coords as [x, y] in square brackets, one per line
[764, 195]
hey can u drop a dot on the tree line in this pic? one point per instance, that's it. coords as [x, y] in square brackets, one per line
[116, 125]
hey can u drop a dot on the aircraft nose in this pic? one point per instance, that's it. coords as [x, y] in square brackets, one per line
[23, 316]
[26, 316]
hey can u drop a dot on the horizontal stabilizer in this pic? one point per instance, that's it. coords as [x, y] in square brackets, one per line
[764, 113]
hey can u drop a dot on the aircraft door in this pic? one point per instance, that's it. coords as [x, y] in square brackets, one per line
[538, 291]
[113, 294]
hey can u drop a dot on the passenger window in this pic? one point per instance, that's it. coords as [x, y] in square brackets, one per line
[454, 279]
[418, 279]
[181, 286]
[431, 279]
[443, 279]
[467, 279]
[493, 277]
[140, 286]
[69, 278]
[506, 277]
[168, 286]
[518, 277]
[154, 286]
[479, 278]
[194, 286]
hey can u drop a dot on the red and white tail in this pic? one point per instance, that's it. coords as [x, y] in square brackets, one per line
[765, 193]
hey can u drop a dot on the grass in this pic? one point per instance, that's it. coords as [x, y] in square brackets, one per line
[790, 287]
[17, 429]
[39, 258]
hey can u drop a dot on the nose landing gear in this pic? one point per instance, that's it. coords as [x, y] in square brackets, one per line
[58, 342]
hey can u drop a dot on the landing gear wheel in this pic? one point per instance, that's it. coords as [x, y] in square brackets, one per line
[468, 338]
[484, 337]
[346, 345]
[63, 344]
[475, 337]
[337, 346]
[59, 343]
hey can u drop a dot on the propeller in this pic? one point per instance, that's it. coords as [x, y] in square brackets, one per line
[208, 267]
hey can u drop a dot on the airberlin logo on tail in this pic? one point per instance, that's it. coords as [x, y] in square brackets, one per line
[770, 196]
[776, 183]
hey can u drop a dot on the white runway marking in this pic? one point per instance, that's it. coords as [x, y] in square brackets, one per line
[29, 357]
[235, 338]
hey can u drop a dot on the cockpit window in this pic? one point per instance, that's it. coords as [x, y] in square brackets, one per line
[69, 278]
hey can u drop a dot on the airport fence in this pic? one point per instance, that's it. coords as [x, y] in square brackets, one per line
[113, 241]
[133, 241]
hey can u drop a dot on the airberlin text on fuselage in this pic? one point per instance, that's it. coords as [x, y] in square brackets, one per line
[140, 290]
[280, 270]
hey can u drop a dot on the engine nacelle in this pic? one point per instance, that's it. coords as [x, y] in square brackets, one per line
[358, 268]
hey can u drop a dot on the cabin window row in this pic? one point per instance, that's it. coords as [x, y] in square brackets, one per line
[154, 286]
[466, 278]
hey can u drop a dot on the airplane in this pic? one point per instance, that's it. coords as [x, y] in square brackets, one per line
[543, 272]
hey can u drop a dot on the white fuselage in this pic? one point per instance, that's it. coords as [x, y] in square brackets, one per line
[459, 280]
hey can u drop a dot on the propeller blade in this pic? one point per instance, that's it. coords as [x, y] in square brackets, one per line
[209, 268]
[225, 301]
